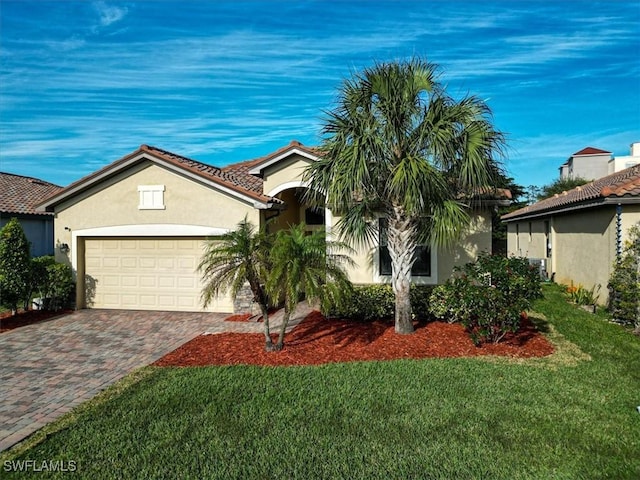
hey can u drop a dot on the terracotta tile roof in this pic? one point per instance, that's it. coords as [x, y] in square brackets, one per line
[590, 151]
[241, 169]
[622, 184]
[20, 194]
[268, 159]
[237, 180]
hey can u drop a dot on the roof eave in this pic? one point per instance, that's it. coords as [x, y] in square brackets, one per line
[136, 157]
[260, 167]
[598, 202]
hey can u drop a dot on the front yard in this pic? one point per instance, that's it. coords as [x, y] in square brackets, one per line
[570, 415]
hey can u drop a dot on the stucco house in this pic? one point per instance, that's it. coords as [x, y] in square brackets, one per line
[136, 228]
[19, 196]
[578, 234]
[589, 163]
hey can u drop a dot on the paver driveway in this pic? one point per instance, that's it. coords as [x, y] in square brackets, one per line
[46, 369]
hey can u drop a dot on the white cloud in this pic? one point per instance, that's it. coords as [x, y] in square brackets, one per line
[109, 15]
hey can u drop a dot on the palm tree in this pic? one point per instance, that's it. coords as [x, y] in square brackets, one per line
[237, 258]
[305, 263]
[397, 146]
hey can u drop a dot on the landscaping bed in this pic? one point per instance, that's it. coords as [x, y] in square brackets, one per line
[27, 317]
[318, 340]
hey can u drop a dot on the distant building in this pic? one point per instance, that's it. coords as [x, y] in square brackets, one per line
[627, 161]
[592, 163]
[589, 163]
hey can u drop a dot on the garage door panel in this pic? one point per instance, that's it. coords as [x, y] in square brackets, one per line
[147, 274]
[166, 282]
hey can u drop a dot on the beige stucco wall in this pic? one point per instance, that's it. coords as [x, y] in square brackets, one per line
[477, 240]
[584, 248]
[527, 239]
[583, 244]
[115, 203]
[630, 217]
[285, 172]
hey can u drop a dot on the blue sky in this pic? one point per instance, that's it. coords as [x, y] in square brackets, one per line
[84, 83]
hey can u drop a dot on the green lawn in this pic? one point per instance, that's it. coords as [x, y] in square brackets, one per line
[571, 416]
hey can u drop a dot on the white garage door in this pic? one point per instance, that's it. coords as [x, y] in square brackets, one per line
[146, 274]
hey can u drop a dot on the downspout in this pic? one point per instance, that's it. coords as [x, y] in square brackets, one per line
[618, 232]
[616, 295]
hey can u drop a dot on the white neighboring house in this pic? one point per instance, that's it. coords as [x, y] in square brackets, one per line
[627, 161]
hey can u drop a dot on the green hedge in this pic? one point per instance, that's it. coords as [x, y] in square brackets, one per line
[377, 302]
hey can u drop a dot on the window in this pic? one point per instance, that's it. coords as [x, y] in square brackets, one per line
[547, 238]
[151, 197]
[314, 216]
[422, 265]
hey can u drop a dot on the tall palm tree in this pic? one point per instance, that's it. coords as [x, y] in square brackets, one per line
[237, 258]
[305, 263]
[397, 146]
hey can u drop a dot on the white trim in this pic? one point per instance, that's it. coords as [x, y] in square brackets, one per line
[151, 230]
[210, 183]
[287, 185]
[258, 170]
[153, 189]
[111, 169]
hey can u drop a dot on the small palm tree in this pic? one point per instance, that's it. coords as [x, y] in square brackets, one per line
[398, 147]
[304, 263]
[237, 258]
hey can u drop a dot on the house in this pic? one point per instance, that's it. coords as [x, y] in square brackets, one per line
[19, 197]
[135, 229]
[626, 161]
[579, 233]
[589, 163]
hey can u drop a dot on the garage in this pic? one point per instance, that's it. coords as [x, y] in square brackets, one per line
[146, 273]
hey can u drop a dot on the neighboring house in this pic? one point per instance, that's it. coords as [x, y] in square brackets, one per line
[19, 197]
[579, 233]
[589, 163]
[137, 227]
[620, 163]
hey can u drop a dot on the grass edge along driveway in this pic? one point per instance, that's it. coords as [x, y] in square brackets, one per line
[570, 416]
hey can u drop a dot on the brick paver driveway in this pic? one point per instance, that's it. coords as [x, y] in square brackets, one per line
[46, 369]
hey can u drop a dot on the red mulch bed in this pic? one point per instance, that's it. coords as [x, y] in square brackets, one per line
[27, 317]
[318, 340]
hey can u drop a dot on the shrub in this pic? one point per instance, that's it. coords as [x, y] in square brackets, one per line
[487, 296]
[377, 302]
[420, 295]
[624, 283]
[15, 269]
[52, 281]
[446, 302]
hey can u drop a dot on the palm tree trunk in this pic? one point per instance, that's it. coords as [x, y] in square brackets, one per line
[283, 328]
[401, 241]
[268, 344]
